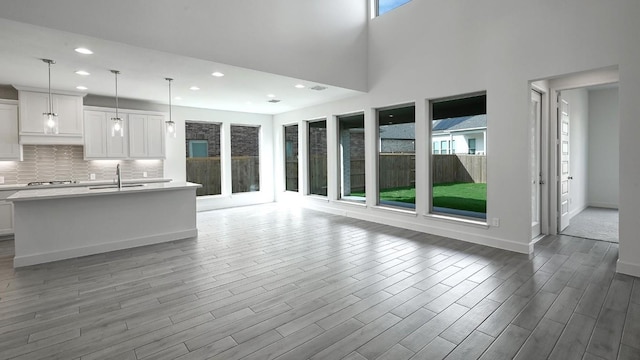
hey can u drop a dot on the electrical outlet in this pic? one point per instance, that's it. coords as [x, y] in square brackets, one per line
[495, 222]
[144, 174]
[92, 176]
[1, 179]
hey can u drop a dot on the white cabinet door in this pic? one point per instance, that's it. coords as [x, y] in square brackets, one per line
[9, 147]
[155, 137]
[146, 136]
[32, 106]
[137, 136]
[69, 110]
[95, 132]
[117, 146]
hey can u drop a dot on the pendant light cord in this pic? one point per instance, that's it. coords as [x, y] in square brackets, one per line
[50, 103]
[169, 80]
[117, 117]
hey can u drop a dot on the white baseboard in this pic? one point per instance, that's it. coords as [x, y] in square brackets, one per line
[410, 221]
[628, 268]
[33, 259]
[604, 205]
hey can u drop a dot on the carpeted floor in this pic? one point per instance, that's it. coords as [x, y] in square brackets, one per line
[595, 223]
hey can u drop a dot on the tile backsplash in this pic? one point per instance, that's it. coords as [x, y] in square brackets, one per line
[66, 162]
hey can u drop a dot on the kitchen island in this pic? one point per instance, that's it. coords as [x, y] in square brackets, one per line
[62, 223]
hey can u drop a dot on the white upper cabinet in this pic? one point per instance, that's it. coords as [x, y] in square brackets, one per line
[146, 136]
[10, 149]
[34, 102]
[98, 142]
[143, 135]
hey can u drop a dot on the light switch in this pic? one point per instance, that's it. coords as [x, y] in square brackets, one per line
[144, 174]
[92, 176]
[1, 179]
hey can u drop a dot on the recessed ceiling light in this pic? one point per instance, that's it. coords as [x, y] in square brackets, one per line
[194, 88]
[300, 86]
[177, 98]
[84, 51]
[217, 74]
[83, 73]
[390, 115]
[80, 87]
[271, 95]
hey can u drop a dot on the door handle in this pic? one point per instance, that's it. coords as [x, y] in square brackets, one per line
[541, 182]
[570, 178]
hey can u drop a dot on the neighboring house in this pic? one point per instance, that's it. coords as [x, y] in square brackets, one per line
[461, 135]
[398, 138]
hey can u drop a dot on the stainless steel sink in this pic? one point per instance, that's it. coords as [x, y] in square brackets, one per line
[114, 186]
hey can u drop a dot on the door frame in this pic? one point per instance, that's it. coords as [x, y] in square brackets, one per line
[608, 75]
[543, 160]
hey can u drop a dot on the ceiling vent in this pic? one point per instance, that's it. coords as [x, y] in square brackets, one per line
[273, 101]
[319, 88]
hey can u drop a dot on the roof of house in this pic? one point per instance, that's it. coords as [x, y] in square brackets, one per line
[460, 123]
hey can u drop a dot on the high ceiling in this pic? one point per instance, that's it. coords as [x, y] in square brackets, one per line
[143, 73]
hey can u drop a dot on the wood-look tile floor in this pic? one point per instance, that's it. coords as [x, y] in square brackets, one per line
[266, 282]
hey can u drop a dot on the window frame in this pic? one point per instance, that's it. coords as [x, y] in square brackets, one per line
[259, 135]
[284, 153]
[430, 170]
[308, 157]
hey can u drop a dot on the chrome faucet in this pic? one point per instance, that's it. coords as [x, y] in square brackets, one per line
[118, 177]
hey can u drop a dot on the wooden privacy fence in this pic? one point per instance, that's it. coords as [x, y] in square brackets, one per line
[205, 171]
[460, 168]
[245, 174]
[396, 170]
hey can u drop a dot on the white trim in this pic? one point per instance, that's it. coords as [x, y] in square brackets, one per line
[130, 111]
[407, 223]
[624, 267]
[457, 220]
[603, 205]
[53, 91]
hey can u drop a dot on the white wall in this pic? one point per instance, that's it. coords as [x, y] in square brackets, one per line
[321, 40]
[604, 148]
[578, 100]
[457, 47]
[175, 164]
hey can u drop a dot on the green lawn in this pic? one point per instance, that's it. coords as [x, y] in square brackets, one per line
[461, 196]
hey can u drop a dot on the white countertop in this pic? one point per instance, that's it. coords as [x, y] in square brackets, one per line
[49, 192]
[81, 184]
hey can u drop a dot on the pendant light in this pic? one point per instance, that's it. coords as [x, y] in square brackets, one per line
[117, 125]
[50, 118]
[170, 124]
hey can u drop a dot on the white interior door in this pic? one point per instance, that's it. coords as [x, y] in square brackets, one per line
[535, 127]
[565, 177]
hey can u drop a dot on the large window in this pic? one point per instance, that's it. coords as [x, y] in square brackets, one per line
[203, 156]
[291, 157]
[245, 158]
[383, 6]
[351, 139]
[458, 160]
[396, 157]
[317, 157]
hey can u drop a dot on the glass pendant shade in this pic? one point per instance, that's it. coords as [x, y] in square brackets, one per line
[50, 123]
[171, 128]
[117, 127]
